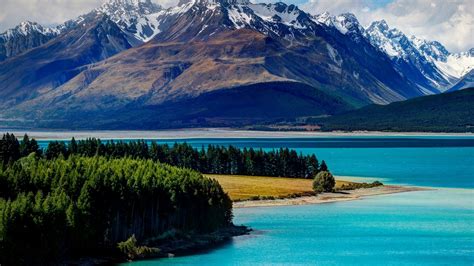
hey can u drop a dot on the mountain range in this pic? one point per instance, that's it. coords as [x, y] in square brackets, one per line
[134, 64]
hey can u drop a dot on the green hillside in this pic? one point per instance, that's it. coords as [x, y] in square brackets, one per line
[448, 112]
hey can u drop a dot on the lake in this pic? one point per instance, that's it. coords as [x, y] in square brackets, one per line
[430, 227]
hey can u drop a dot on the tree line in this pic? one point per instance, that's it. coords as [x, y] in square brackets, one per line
[212, 159]
[57, 207]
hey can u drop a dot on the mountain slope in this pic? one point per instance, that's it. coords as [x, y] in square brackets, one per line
[466, 82]
[200, 49]
[447, 112]
[209, 46]
[428, 64]
[24, 37]
[137, 18]
[270, 101]
[49, 66]
[407, 58]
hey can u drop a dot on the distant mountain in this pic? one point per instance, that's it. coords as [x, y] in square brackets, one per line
[205, 47]
[47, 67]
[137, 18]
[453, 66]
[130, 62]
[24, 37]
[467, 81]
[428, 64]
[346, 24]
[447, 112]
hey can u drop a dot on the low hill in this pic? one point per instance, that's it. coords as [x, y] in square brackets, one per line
[448, 112]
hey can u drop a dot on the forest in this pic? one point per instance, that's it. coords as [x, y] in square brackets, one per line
[88, 196]
[445, 112]
[79, 205]
[209, 160]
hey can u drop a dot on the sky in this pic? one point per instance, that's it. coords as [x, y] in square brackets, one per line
[450, 22]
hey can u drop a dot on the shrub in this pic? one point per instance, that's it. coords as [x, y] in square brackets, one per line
[354, 186]
[130, 249]
[324, 182]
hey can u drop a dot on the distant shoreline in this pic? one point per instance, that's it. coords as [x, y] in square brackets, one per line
[329, 197]
[195, 133]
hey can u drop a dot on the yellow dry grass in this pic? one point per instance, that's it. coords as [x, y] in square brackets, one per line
[247, 187]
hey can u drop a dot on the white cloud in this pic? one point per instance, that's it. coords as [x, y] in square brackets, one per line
[449, 22]
[42, 11]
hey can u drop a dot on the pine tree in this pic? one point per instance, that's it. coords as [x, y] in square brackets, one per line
[72, 148]
[9, 149]
[324, 167]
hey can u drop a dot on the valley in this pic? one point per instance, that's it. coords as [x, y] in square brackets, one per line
[236, 132]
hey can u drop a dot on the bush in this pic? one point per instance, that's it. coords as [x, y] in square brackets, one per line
[354, 186]
[130, 249]
[324, 182]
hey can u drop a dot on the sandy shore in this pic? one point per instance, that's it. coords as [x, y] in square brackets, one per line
[329, 197]
[204, 133]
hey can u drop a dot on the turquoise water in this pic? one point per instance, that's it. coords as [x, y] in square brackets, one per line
[428, 228]
[422, 228]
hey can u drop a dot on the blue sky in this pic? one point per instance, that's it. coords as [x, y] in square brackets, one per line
[449, 21]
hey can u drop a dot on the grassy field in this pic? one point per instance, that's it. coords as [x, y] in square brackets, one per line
[251, 187]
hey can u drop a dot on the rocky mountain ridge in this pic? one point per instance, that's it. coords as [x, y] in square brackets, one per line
[133, 64]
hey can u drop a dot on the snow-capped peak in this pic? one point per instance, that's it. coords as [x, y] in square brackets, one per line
[136, 17]
[345, 23]
[430, 57]
[214, 2]
[431, 49]
[390, 40]
[349, 23]
[289, 15]
[381, 25]
[128, 8]
[324, 18]
[27, 27]
[25, 36]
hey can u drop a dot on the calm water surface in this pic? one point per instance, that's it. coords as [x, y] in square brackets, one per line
[430, 227]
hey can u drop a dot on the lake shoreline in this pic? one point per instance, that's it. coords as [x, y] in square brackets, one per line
[324, 198]
[197, 133]
[183, 246]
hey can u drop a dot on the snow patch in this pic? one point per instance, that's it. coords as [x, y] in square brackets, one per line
[334, 55]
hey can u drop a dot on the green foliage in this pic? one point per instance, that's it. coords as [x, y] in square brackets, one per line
[9, 149]
[446, 112]
[28, 146]
[88, 195]
[80, 204]
[354, 186]
[324, 167]
[56, 149]
[212, 159]
[132, 251]
[324, 182]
